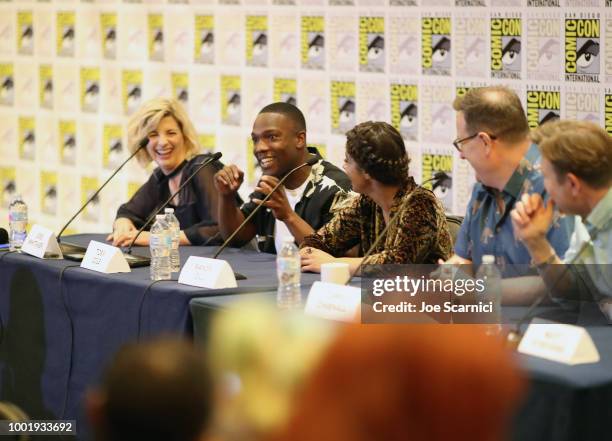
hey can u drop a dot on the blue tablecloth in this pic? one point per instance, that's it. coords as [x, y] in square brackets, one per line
[563, 403]
[61, 324]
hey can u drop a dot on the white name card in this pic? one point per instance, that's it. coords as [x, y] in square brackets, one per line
[104, 258]
[41, 243]
[566, 344]
[204, 272]
[334, 302]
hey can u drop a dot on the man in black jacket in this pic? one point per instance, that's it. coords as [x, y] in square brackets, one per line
[308, 197]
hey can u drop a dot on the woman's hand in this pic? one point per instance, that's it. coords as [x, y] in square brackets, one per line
[312, 259]
[124, 232]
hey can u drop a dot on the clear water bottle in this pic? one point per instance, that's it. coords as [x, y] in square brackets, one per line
[18, 222]
[175, 234]
[288, 269]
[490, 274]
[160, 244]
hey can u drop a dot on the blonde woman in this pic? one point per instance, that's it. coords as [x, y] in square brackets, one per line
[173, 146]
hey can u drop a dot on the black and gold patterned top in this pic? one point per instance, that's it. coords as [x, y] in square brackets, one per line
[420, 236]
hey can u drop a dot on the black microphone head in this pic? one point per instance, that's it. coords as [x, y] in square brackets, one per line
[216, 156]
[3, 236]
[143, 143]
[312, 161]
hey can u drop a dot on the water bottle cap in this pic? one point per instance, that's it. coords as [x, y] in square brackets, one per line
[488, 259]
[169, 210]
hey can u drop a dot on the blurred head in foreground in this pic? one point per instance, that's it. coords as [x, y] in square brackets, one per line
[423, 383]
[259, 357]
[159, 390]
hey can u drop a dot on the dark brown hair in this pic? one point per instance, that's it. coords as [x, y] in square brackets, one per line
[378, 149]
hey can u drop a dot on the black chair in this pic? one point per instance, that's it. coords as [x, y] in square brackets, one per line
[454, 224]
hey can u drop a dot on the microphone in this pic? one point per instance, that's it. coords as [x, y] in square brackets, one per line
[311, 161]
[214, 157]
[142, 144]
[382, 234]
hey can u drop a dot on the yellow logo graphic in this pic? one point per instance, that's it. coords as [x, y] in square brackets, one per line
[257, 40]
[342, 106]
[65, 33]
[285, 90]
[404, 109]
[313, 42]
[67, 139]
[506, 47]
[112, 145]
[542, 106]
[204, 39]
[608, 113]
[436, 45]
[582, 49]
[230, 100]
[48, 192]
[27, 138]
[372, 44]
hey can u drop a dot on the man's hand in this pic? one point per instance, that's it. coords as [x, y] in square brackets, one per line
[228, 180]
[278, 202]
[312, 259]
[531, 218]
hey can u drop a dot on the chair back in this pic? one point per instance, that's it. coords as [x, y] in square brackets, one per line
[454, 224]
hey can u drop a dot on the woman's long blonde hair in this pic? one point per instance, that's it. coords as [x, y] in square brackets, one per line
[146, 119]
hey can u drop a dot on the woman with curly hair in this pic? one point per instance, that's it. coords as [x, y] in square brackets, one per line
[377, 165]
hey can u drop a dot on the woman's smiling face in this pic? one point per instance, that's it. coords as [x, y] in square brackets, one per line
[167, 145]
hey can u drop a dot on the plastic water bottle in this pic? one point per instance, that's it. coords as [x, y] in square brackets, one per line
[175, 234]
[160, 244]
[18, 221]
[288, 270]
[490, 274]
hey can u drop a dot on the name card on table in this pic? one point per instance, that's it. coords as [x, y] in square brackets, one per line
[104, 258]
[204, 272]
[566, 344]
[41, 243]
[334, 302]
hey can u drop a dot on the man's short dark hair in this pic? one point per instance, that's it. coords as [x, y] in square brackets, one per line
[290, 111]
[159, 390]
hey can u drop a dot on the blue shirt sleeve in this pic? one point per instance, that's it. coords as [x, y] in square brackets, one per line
[462, 247]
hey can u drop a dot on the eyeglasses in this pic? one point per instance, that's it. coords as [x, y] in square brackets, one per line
[457, 142]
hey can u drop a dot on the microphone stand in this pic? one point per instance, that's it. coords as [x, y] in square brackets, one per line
[143, 143]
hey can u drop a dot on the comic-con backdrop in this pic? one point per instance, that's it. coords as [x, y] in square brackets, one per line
[72, 72]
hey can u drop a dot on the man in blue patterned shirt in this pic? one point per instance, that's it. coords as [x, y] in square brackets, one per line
[493, 136]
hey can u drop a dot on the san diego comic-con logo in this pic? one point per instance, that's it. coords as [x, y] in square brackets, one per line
[436, 45]
[582, 49]
[506, 48]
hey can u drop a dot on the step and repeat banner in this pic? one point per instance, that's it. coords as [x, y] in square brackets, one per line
[72, 72]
